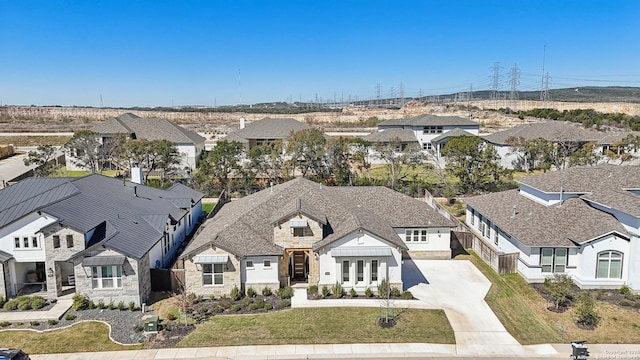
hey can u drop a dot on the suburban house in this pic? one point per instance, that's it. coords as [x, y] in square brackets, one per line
[188, 143]
[94, 235]
[400, 138]
[557, 132]
[583, 222]
[265, 131]
[304, 232]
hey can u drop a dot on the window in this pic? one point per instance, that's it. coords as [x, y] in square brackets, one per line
[495, 235]
[415, 235]
[488, 229]
[609, 265]
[69, 241]
[432, 129]
[345, 271]
[374, 270]
[407, 235]
[427, 146]
[553, 260]
[106, 277]
[56, 241]
[266, 263]
[165, 244]
[360, 270]
[34, 241]
[481, 225]
[25, 241]
[423, 235]
[298, 232]
[16, 241]
[249, 263]
[212, 274]
[473, 216]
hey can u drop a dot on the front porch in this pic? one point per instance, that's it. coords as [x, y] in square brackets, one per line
[298, 267]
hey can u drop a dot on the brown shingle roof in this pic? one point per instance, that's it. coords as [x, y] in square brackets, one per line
[551, 130]
[244, 227]
[150, 129]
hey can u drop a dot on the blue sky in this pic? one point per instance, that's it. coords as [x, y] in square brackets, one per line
[163, 53]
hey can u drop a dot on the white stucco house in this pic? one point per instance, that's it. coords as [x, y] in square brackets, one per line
[189, 144]
[265, 131]
[94, 235]
[583, 221]
[304, 232]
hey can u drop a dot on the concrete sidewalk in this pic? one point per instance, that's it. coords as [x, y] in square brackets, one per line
[55, 313]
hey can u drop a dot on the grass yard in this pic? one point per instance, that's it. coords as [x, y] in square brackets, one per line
[86, 336]
[321, 326]
[429, 177]
[63, 172]
[523, 312]
[208, 207]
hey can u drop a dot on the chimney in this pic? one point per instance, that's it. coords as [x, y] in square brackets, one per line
[241, 123]
[136, 175]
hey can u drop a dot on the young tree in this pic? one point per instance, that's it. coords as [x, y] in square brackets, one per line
[585, 155]
[559, 289]
[586, 310]
[399, 161]
[84, 149]
[43, 157]
[307, 151]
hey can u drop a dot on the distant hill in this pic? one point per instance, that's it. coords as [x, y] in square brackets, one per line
[577, 94]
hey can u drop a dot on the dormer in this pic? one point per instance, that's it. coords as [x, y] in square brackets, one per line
[298, 225]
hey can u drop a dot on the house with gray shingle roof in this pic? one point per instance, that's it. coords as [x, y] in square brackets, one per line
[582, 221]
[301, 231]
[265, 131]
[94, 235]
[188, 143]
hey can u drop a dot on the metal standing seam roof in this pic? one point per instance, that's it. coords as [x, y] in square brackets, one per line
[211, 259]
[103, 260]
[5, 256]
[361, 251]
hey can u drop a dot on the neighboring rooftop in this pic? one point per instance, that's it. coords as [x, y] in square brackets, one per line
[586, 179]
[429, 120]
[452, 133]
[147, 128]
[244, 227]
[554, 131]
[385, 136]
[267, 128]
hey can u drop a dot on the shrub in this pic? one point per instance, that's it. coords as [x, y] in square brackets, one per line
[396, 292]
[559, 290]
[225, 302]
[35, 323]
[337, 290]
[625, 303]
[121, 306]
[79, 302]
[625, 290]
[251, 293]
[235, 293]
[384, 290]
[266, 291]
[285, 303]
[138, 328]
[212, 297]
[260, 303]
[286, 292]
[192, 298]
[353, 293]
[202, 310]
[267, 306]
[4, 324]
[10, 305]
[218, 309]
[235, 307]
[132, 306]
[24, 304]
[91, 305]
[313, 291]
[171, 316]
[253, 307]
[368, 293]
[70, 317]
[38, 302]
[586, 311]
[246, 302]
[1, 300]
[101, 304]
[111, 306]
[325, 291]
[52, 322]
[636, 304]
[407, 295]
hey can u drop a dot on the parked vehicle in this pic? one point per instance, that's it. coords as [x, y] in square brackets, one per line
[13, 354]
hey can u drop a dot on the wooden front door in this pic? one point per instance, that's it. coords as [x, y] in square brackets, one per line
[299, 267]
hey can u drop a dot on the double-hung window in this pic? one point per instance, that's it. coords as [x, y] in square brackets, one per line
[374, 270]
[360, 270]
[106, 277]
[553, 260]
[609, 265]
[345, 271]
[212, 274]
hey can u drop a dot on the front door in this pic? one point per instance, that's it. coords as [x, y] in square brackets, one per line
[299, 266]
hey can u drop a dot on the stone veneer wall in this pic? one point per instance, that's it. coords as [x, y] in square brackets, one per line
[53, 256]
[283, 236]
[427, 255]
[133, 281]
[193, 276]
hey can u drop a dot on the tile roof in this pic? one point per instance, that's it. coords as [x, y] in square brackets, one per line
[244, 227]
[536, 225]
[268, 128]
[452, 133]
[384, 136]
[131, 223]
[429, 120]
[150, 129]
[549, 130]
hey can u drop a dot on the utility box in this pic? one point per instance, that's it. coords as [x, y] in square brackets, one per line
[151, 324]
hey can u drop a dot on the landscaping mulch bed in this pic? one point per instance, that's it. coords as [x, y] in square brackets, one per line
[627, 301]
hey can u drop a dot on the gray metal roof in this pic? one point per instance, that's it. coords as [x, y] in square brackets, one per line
[103, 260]
[130, 222]
[268, 128]
[211, 259]
[150, 129]
[5, 256]
[550, 130]
[244, 227]
[361, 251]
[449, 134]
[430, 120]
[537, 225]
[385, 136]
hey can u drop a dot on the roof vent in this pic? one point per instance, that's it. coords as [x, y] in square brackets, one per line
[513, 214]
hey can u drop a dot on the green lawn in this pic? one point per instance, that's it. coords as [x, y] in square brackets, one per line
[321, 326]
[86, 336]
[63, 172]
[208, 207]
[424, 175]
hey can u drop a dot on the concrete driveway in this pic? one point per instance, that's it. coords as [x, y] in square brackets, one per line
[459, 288]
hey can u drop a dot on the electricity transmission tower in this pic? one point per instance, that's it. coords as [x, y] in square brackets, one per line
[378, 89]
[401, 94]
[546, 82]
[495, 80]
[514, 82]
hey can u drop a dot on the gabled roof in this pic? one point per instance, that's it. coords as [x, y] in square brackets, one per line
[245, 227]
[5, 256]
[267, 128]
[150, 129]
[429, 120]
[536, 225]
[385, 136]
[129, 224]
[449, 134]
[554, 131]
